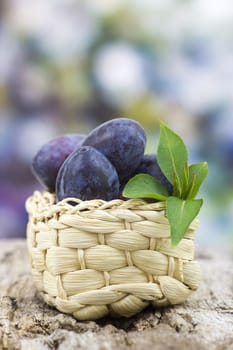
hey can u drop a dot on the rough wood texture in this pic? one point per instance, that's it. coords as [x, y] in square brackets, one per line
[205, 321]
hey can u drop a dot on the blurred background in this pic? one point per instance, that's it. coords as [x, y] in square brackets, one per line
[67, 66]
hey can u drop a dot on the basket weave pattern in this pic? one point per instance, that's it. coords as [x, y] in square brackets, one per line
[98, 258]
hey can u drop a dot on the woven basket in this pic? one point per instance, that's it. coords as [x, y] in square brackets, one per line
[97, 258]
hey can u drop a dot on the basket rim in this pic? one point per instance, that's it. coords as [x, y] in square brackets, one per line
[44, 201]
[41, 206]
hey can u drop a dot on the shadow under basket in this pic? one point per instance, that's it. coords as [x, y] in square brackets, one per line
[98, 258]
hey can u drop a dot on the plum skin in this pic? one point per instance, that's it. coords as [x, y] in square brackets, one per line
[48, 160]
[87, 174]
[122, 141]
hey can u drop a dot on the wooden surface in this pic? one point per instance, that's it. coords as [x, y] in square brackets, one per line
[205, 321]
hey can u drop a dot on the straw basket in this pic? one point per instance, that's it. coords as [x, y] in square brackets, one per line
[100, 258]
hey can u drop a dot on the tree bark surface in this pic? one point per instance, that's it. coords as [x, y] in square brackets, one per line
[204, 321]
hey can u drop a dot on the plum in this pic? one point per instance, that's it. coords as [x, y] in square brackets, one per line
[87, 174]
[122, 141]
[49, 158]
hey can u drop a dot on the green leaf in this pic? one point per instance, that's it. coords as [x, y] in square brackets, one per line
[180, 214]
[172, 156]
[176, 189]
[186, 179]
[191, 187]
[197, 174]
[145, 186]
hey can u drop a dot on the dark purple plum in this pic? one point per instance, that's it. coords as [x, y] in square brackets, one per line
[87, 174]
[122, 141]
[149, 165]
[50, 157]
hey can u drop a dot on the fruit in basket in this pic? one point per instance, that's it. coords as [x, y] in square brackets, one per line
[87, 174]
[109, 163]
[49, 158]
[122, 141]
[150, 166]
